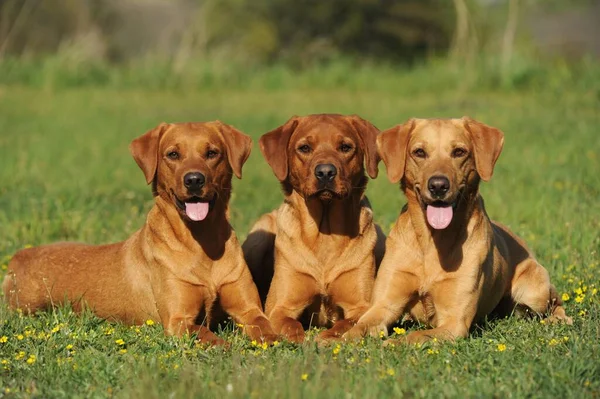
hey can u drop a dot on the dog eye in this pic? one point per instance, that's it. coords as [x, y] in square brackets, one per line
[210, 154]
[174, 155]
[458, 153]
[419, 153]
[345, 147]
[305, 149]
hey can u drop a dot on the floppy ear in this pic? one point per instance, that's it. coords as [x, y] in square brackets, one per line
[273, 146]
[392, 146]
[238, 145]
[487, 146]
[145, 151]
[368, 135]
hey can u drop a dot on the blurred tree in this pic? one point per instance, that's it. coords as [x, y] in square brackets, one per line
[315, 30]
[299, 32]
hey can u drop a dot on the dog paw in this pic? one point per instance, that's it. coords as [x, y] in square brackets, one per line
[378, 331]
[270, 338]
[554, 319]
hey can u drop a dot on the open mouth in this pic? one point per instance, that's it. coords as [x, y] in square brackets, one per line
[439, 213]
[195, 208]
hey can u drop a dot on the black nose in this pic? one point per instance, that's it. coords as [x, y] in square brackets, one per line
[438, 186]
[194, 180]
[325, 172]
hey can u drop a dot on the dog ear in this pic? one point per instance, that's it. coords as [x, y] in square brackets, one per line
[145, 150]
[239, 146]
[392, 146]
[368, 135]
[487, 146]
[273, 146]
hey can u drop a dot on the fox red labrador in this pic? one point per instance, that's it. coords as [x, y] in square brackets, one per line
[183, 267]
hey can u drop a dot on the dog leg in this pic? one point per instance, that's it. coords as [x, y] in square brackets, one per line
[240, 300]
[393, 292]
[531, 287]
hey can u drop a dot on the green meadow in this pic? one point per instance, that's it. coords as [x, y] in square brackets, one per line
[66, 174]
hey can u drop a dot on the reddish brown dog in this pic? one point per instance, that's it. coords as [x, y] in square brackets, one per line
[446, 263]
[186, 258]
[315, 255]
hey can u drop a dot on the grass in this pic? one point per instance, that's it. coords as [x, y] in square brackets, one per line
[66, 175]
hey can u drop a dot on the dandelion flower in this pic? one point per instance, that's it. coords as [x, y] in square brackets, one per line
[399, 331]
[390, 372]
[304, 377]
[31, 359]
[123, 351]
[119, 342]
[3, 339]
[565, 297]
[579, 298]
[20, 337]
[20, 355]
[501, 348]
[381, 334]
[149, 322]
[69, 347]
[336, 349]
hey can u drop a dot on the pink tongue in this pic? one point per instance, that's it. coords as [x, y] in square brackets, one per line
[439, 217]
[196, 211]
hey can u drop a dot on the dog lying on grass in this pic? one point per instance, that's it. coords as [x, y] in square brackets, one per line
[182, 267]
[314, 258]
[446, 263]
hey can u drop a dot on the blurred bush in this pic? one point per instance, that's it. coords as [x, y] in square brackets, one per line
[298, 32]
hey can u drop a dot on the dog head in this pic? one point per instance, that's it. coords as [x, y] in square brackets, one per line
[322, 156]
[190, 164]
[440, 161]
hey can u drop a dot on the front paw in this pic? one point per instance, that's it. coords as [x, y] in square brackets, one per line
[378, 331]
[293, 332]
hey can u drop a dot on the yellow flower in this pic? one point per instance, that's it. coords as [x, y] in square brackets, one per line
[275, 343]
[254, 343]
[4, 267]
[4, 361]
[565, 338]
[578, 291]
[579, 298]
[3, 339]
[264, 345]
[149, 322]
[239, 325]
[31, 359]
[399, 331]
[27, 246]
[594, 291]
[123, 351]
[432, 351]
[109, 331]
[20, 337]
[337, 349]
[69, 347]
[582, 312]
[565, 297]
[390, 372]
[381, 334]
[304, 377]
[20, 355]
[501, 348]
[367, 360]
[55, 329]
[119, 342]
[553, 342]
